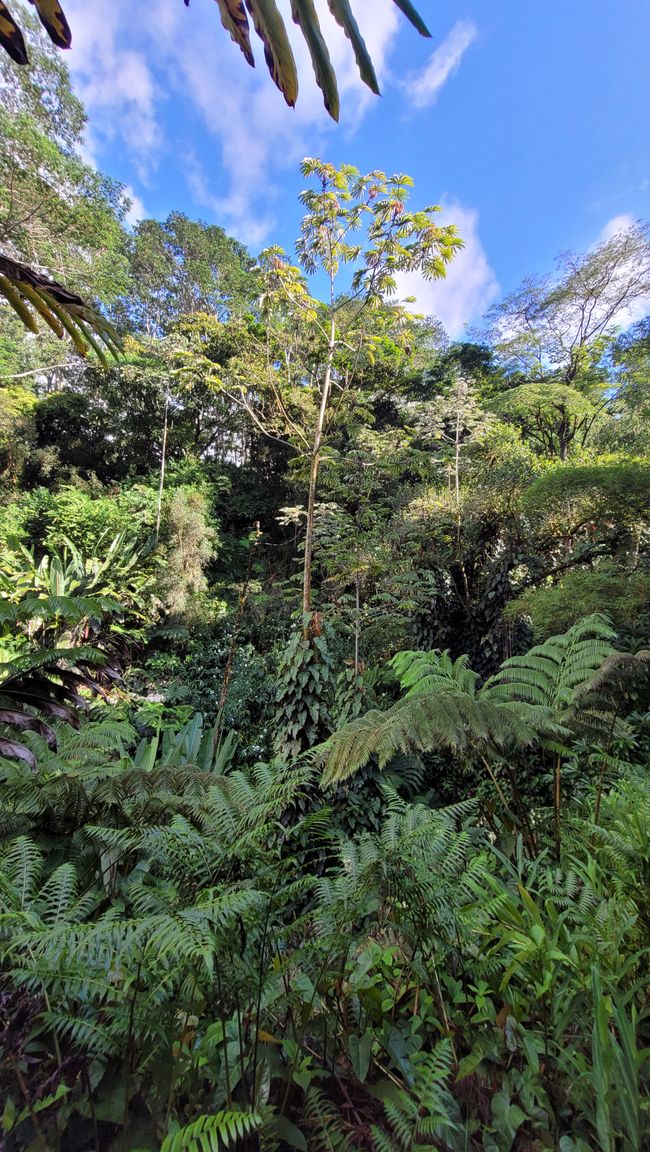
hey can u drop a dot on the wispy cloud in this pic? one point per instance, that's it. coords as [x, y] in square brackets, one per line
[116, 82]
[470, 285]
[423, 87]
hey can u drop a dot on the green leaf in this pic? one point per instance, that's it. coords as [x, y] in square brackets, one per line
[8, 1115]
[342, 13]
[305, 15]
[289, 1134]
[269, 26]
[360, 1050]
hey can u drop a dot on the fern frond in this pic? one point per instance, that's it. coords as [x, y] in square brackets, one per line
[325, 1124]
[213, 1133]
[22, 865]
[423, 723]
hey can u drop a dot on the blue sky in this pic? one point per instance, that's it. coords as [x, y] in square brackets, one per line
[528, 122]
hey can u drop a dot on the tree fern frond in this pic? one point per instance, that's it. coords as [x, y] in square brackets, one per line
[551, 672]
[58, 894]
[423, 723]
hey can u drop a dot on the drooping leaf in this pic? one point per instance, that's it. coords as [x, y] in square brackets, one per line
[269, 25]
[53, 20]
[24, 289]
[16, 301]
[11, 38]
[344, 16]
[15, 751]
[235, 21]
[26, 723]
[416, 20]
[305, 16]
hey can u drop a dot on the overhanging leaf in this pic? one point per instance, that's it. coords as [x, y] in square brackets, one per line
[235, 21]
[306, 17]
[344, 16]
[414, 17]
[24, 288]
[11, 38]
[269, 26]
[26, 723]
[15, 751]
[53, 20]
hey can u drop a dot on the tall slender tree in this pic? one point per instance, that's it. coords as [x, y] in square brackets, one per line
[357, 234]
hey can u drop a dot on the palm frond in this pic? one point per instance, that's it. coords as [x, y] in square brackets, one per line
[30, 294]
[46, 683]
[270, 26]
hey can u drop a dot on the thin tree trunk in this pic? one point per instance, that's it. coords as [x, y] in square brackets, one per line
[162, 470]
[309, 527]
[313, 470]
[357, 621]
[459, 523]
[603, 770]
[557, 801]
[216, 733]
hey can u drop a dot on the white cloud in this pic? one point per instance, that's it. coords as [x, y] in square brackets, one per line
[251, 228]
[137, 210]
[617, 224]
[423, 87]
[114, 81]
[470, 285]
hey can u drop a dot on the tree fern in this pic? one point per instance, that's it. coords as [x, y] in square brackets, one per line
[325, 1124]
[550, 674]
[569, 675]
[443, 708]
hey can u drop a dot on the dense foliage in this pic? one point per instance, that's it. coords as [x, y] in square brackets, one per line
[324, 687]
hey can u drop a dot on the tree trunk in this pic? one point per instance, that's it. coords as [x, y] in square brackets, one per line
[309, 530]
[357, 622]
[161, 485]
[313, 471]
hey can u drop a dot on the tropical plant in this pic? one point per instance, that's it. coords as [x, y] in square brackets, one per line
[46, 683]
[304, 687]
[321, 1011]
[44, 628]
[443, 706]
[62, 583]
[31, 293]
[424, 1116]
[574, 684]
[360, 222]
[566, 675]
